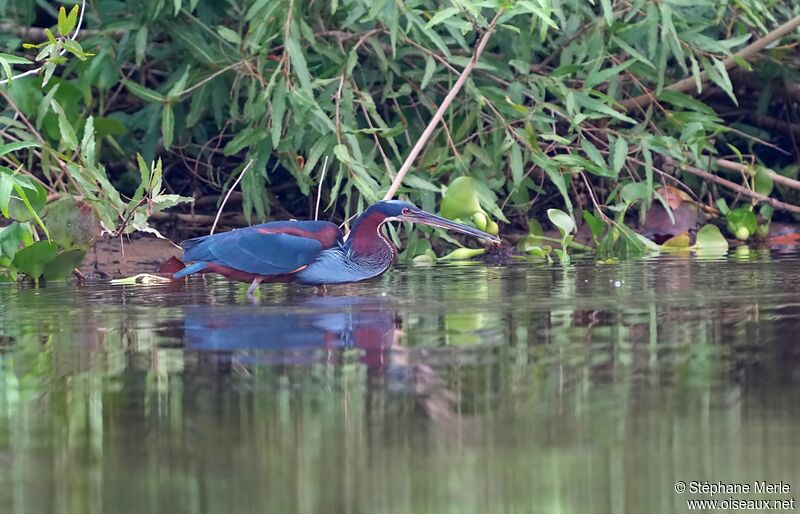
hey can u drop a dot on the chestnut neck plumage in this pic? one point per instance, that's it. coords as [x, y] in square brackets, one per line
[367, 237]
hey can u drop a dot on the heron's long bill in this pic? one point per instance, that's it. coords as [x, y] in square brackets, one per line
[435, 221]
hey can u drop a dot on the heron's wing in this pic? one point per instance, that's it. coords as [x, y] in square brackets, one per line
[275, 248]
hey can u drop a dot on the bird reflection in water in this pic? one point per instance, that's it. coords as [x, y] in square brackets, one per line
[317, 330]
[295, 333]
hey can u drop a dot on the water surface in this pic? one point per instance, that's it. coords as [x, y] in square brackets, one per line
[528, 388]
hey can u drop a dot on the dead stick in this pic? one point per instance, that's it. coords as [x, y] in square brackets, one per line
[734, 186]
[239, 179]
[750, 50]
[437, 117]
[776, 177]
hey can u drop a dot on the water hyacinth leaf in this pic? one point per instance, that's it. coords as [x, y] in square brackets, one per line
[741, 222]
[561, 220]
[63, 264]
[461, 199]
[463, 254]
[678, 241]
[710, 239]
[763, 181]
[32, 259]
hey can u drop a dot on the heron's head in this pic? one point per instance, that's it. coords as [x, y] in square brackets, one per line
[398, 210]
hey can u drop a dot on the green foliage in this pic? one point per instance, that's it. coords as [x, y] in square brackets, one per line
[547, 117]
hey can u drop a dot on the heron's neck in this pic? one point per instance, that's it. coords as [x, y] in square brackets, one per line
[366, 237]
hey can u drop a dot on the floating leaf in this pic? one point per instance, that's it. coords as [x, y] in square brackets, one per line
[710, 239]
[681, 240]
[462, 254]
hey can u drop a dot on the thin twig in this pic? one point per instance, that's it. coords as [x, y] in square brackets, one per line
[734, 186]
[36, 71]
[319, 188]
[212, 77]
[437, 117]
[747, 170]
[228, 195]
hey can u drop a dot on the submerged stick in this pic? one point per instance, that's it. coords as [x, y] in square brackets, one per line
[437, 117]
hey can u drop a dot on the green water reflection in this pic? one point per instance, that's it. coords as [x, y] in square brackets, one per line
[432, 390]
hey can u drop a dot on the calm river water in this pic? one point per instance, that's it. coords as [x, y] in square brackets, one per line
[465, 389]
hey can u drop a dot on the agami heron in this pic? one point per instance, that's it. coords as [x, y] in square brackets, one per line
[310, 252]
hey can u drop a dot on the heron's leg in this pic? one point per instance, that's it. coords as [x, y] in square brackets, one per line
[254, 285]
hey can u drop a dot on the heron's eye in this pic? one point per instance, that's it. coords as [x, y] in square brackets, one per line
[406, 210]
